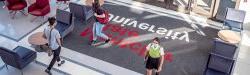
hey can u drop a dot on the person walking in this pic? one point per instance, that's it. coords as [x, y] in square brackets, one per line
[98, 26]
[54, 43]
[154, 57]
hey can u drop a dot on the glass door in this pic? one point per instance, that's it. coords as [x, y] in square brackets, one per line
[222, 6]
[212, 8]
[203, 7]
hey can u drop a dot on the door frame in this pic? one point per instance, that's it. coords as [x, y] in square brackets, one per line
[216, 6]
[213, 8]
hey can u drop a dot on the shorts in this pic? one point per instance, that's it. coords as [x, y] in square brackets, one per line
[152, 63]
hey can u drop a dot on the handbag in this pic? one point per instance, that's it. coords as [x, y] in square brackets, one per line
[104, 20]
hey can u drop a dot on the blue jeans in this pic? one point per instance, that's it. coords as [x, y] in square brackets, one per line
[97, 31]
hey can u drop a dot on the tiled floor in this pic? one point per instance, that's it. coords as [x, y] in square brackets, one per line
[19, 26]
[31, 69]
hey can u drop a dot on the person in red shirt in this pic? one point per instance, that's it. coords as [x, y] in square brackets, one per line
[97, 27]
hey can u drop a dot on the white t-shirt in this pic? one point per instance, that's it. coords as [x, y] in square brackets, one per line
[53, 44]
[155, 46]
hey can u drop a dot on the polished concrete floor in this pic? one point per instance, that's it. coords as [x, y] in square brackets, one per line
[81, 64]
[31, 69]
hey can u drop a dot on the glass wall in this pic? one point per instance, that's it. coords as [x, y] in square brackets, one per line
[212, 8]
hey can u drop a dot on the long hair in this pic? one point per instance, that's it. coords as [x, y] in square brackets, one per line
[96, 5]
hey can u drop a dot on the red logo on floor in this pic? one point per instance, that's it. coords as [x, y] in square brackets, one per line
[136, 47]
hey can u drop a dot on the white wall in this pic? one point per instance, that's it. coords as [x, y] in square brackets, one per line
[246, 7]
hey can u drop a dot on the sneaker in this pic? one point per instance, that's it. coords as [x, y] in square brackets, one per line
[62, 62]
[48, 71]
[106, 41]
[93, 42]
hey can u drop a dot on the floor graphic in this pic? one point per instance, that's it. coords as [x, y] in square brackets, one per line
[186, 45]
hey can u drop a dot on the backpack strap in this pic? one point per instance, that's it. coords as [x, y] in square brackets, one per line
[50, 36]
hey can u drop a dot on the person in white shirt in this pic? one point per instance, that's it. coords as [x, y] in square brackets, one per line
[53, 36]
[154, 57]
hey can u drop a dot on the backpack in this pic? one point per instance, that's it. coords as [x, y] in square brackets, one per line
[104, 20]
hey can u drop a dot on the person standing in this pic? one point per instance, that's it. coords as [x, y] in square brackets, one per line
[154, 57]
[97, 27]
[54, 43]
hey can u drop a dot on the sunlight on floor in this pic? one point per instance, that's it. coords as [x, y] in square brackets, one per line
[140, 38]
[182, 3]
[202, 3]
[196, 28]
[246, 39]
[151, 16]
[135, 9]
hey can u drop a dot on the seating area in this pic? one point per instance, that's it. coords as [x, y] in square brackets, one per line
[39, 8]
[64, 22]
[19, 58]
[234, 19]
[15, 6]
[222, 58]
[81, 12]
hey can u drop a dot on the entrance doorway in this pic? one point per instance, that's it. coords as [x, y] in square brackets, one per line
[212, 8]
[203, 7]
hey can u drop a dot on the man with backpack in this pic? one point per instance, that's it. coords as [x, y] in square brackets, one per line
[154, 57]
[101, 19]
